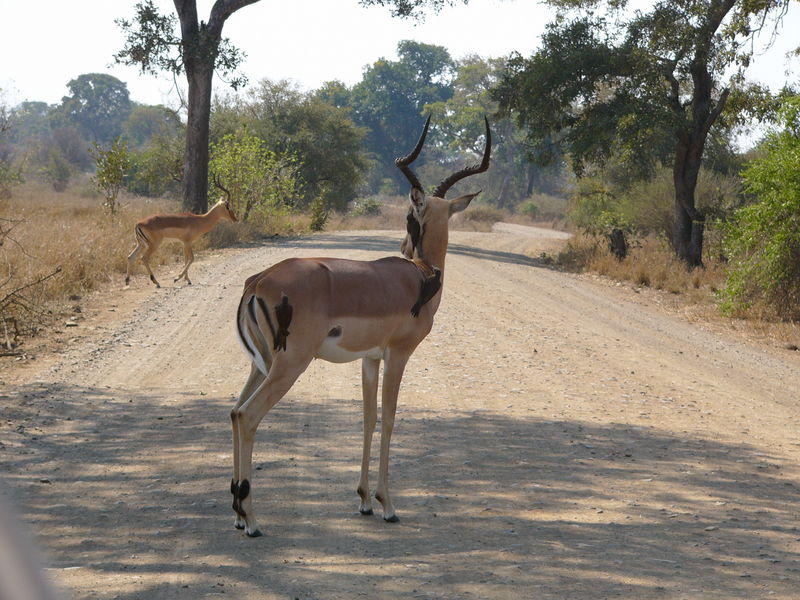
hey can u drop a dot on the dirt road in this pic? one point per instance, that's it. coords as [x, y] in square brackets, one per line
[557, 437]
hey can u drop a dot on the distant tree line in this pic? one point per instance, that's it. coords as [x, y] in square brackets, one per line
[338, 142]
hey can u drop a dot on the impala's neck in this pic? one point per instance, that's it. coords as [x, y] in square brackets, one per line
[213, 216]
[434, 248]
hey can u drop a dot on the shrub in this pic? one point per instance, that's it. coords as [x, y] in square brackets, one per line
[111, 166]
[763, 240]
[257, 178]
[529, 209]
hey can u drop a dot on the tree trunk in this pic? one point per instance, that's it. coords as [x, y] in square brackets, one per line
[689, 222]
[200, 41]
[195, 165]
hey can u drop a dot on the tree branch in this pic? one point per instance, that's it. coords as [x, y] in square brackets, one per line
[223, 9]
[14, 294]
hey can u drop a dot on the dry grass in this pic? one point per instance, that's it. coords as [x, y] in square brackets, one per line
[71, 244]
[650, 263]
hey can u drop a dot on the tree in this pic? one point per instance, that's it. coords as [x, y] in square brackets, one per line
[648, 89]
[323, 138]
[157, 168]
[763, 240]
[146, 122]
[390, 99]
[7, 174]
[98, 104]
[152, 45]
[459, 119]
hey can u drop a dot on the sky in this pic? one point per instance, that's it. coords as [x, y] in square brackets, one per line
[46, 43]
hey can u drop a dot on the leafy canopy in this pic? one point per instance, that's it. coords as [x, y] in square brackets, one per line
[152, 44]
[631, 83]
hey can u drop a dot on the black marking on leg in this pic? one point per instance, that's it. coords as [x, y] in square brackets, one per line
[244, 490]
[283, 314]
[335, 332]
[427, 290]
[237, 508]
[240, 491]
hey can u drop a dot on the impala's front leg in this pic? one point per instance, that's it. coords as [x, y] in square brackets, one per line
[394, 365]
[188, 259]
[369, 389]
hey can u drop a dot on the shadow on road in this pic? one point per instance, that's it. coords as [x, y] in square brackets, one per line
[134, 487]
[391, 247]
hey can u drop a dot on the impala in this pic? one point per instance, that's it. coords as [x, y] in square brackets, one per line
[152, 230]
[343, 310]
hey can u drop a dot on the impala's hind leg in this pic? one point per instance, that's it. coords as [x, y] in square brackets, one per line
[140, 247]
[283, 373]
[149, 251]
[369, 389]
[255, 379]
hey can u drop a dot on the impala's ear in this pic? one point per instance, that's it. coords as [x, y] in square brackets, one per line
[418, 200]
[460, 203]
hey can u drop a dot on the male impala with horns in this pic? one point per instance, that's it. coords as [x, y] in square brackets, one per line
[343, 310]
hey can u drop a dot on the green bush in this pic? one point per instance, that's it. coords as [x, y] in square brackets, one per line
[258, 180]
[762, 242]
[529, 208]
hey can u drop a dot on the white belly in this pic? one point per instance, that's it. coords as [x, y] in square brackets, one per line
[331, 351]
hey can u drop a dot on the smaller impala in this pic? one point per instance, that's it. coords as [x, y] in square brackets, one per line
[152, 230]
[343, 310]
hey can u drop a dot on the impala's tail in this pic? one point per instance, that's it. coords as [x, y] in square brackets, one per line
[253, 321]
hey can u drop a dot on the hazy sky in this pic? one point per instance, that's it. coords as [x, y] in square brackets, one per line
[45, 43]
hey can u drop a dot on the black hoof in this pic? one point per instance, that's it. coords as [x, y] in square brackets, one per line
[367, 512]
[238, 526]
[256, 533]
[392, 519]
